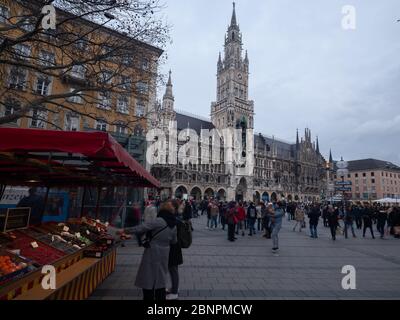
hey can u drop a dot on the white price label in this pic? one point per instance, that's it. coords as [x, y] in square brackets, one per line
[98, 254]
[87, 232]
[66, 229]
[78, 235]
[34, 245]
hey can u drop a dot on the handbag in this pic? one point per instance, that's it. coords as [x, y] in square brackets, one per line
[149, 237]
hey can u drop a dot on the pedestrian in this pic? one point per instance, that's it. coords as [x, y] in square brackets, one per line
[349, 221]
[358, 216]
[214, 211]
[241, 218]
[175, 259]
[37, 205]
[299, 216]
[367, 221]
[153, 269]
[187, 213]
[313, 216]
[381, 221]
[276, 224]
[222, 212]
[150, 212]
[325, 215]
[332, 219]
[267, 213]
[251, 218]
[231, 219]
[259, 216]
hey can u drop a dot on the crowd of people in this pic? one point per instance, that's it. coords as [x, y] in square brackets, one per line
[166, 229]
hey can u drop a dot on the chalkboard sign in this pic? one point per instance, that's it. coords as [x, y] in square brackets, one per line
[17, 218]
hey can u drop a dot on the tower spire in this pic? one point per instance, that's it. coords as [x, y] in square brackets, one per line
[233, 20]
[297, 140]
[168, 91]
[330, 156]
[317, 145]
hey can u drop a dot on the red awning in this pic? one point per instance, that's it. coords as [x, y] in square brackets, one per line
[64, 158]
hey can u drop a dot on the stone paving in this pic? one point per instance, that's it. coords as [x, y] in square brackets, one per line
[305, 268]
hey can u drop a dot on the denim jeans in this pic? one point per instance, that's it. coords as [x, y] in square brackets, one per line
[274, 236]
[214, 221]
[313, 231]
[346, 226]
[251, 223]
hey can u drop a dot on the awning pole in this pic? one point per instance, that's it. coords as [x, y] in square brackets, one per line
[83, 201]
[99, 189]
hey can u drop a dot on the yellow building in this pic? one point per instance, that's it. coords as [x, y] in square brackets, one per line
[82, 76]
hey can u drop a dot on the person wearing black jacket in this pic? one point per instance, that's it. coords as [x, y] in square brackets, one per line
[367, 221]
[314, 215]
[174, 261]
[332, 219]
[381, 221]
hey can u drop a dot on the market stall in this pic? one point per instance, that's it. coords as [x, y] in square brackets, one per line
[81, 249]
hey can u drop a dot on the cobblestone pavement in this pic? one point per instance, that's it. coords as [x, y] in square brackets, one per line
[305, 268]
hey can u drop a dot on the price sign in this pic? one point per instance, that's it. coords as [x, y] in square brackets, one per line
[34, 245]
[78, 235]
[66, 229]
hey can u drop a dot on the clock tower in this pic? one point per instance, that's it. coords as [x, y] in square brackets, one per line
[232, 108]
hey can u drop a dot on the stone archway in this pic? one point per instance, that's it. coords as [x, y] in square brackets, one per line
[196, 193]
[296, 198]
[241, 190]
[221, 195]
[209, 193]
[180, 192]
[289, 197]
[265, 197]
[274, 197]
[256, 197]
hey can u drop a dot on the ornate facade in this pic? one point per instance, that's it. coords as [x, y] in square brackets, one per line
[293, 171]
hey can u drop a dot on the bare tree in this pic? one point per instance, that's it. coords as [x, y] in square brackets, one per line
[101, 54]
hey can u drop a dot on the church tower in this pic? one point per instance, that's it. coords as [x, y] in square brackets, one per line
[232, 108]
[167, 110]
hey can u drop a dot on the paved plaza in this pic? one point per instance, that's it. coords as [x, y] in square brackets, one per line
[305, 268]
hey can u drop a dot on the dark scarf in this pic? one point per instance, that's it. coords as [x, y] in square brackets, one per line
[169, 218]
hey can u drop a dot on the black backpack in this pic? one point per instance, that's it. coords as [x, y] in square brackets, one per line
[184, 230]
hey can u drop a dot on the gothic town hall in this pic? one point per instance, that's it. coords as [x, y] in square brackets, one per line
[281, 170]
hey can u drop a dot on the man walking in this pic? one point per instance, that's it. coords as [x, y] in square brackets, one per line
[251, 218]
[314, 215]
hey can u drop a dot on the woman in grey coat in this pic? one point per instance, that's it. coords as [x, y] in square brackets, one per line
[153, 271]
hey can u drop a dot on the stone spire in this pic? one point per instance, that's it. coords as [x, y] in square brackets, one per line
[168, 99]
[330, 156]
[168, 90]
[317, 145]
[233, 20]
[297, 140]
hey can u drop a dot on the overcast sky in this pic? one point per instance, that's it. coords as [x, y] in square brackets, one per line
[306, 71]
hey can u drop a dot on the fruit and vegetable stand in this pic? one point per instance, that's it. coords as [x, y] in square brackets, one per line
[81, 250]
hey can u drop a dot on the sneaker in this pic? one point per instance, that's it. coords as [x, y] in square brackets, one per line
[171, 296]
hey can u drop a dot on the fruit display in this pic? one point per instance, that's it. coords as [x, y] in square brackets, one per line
[7, 266]
[12, 267]
[42, 254]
